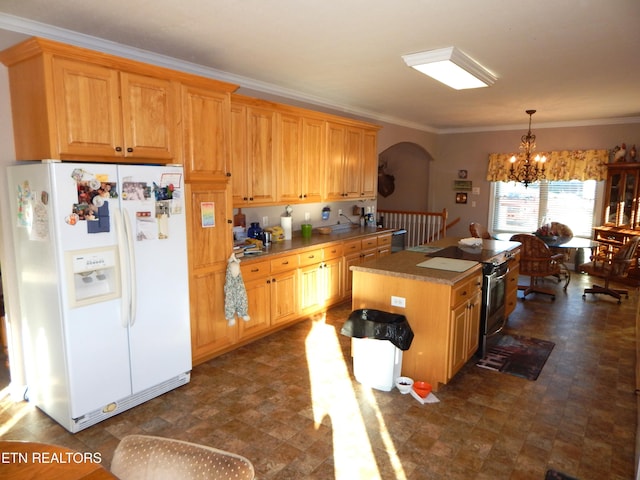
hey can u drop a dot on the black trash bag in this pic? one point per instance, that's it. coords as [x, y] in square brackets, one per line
[370, 323]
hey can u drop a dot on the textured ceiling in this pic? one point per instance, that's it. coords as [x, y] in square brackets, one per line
[575, 61]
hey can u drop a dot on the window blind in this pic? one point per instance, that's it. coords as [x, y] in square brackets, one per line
[522, 210]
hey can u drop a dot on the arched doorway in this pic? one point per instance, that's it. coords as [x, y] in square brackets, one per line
[408, 164]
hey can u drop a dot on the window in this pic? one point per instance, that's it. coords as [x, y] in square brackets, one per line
[517, 209]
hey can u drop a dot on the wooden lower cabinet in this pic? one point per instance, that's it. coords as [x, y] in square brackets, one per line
[280, 289]
[272, 297]
[259, 299]
[445, 320]
[284, 297]
[320, 286]
[511, 293]
[464, 324]
[210, 332]
[207, 253]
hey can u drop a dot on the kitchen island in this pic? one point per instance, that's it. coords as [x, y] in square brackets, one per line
[442, 305]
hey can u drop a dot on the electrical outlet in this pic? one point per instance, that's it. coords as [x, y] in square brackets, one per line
[307, 216]
[339, 211]
[265, 221]
[398, 301]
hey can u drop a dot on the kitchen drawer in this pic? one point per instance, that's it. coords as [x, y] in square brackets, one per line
[466, 289]
[369, 242]
[352, 246]
[384, 240]
[251, 271]
[310, 257]
[335, 251]
[283, 264]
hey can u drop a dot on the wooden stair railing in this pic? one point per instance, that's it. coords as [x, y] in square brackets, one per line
[421, 227]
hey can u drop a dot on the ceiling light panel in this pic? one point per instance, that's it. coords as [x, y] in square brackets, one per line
[451, 67]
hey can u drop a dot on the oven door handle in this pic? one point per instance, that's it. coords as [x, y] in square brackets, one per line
[501, 277]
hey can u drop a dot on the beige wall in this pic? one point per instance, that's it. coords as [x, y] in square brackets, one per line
[470, 151]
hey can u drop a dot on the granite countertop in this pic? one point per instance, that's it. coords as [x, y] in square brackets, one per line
[317, 239]
[404, 264]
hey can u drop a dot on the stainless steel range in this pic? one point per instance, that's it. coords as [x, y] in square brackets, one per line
[495, 267]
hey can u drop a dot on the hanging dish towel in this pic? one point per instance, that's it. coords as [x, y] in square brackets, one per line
[235, 295]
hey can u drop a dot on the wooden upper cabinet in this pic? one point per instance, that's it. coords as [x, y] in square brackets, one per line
[290, 171]
[253, 154]
[88, 109]
[149, 116]
[301, 149]
[107, 113]
[205, 134]
[370, 164]
[313, 157]
[352, 175]
[351, 162]
[71, 103]
[334, 177]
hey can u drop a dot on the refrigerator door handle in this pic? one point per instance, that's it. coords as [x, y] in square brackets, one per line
[125, 268]
[131, 270]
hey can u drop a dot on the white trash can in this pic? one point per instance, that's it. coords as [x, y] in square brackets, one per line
[376, 363]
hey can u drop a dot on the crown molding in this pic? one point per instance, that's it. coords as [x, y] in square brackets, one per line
[32, 28]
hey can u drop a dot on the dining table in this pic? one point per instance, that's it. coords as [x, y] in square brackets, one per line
[574, 243]
[23, 460]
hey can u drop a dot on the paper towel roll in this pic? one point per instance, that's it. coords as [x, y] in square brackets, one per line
[285, 223]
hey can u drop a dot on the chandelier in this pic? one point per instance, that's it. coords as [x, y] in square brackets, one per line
[527, 171]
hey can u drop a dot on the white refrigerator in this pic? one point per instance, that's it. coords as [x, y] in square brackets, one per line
[101, 256]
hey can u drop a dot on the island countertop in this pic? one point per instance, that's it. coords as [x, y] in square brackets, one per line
[404, 264]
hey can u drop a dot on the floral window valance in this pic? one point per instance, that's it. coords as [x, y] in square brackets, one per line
[564, 165]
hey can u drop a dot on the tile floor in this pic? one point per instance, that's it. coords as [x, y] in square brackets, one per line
[289, 403]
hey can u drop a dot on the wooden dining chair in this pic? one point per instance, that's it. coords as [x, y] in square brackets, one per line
[536, 262]
[478, 230]
[611, 269]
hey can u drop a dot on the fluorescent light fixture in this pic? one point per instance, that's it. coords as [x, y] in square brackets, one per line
[451, 67]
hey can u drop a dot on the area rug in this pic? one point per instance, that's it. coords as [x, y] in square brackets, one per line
[517, 355]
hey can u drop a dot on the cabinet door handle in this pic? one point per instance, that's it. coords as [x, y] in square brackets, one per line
[254, 270]
[129, 149]
[285, 263]
[118, 149]
[273, 280]
[311, 256]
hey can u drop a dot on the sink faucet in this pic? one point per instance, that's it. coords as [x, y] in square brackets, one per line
[352, 223]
